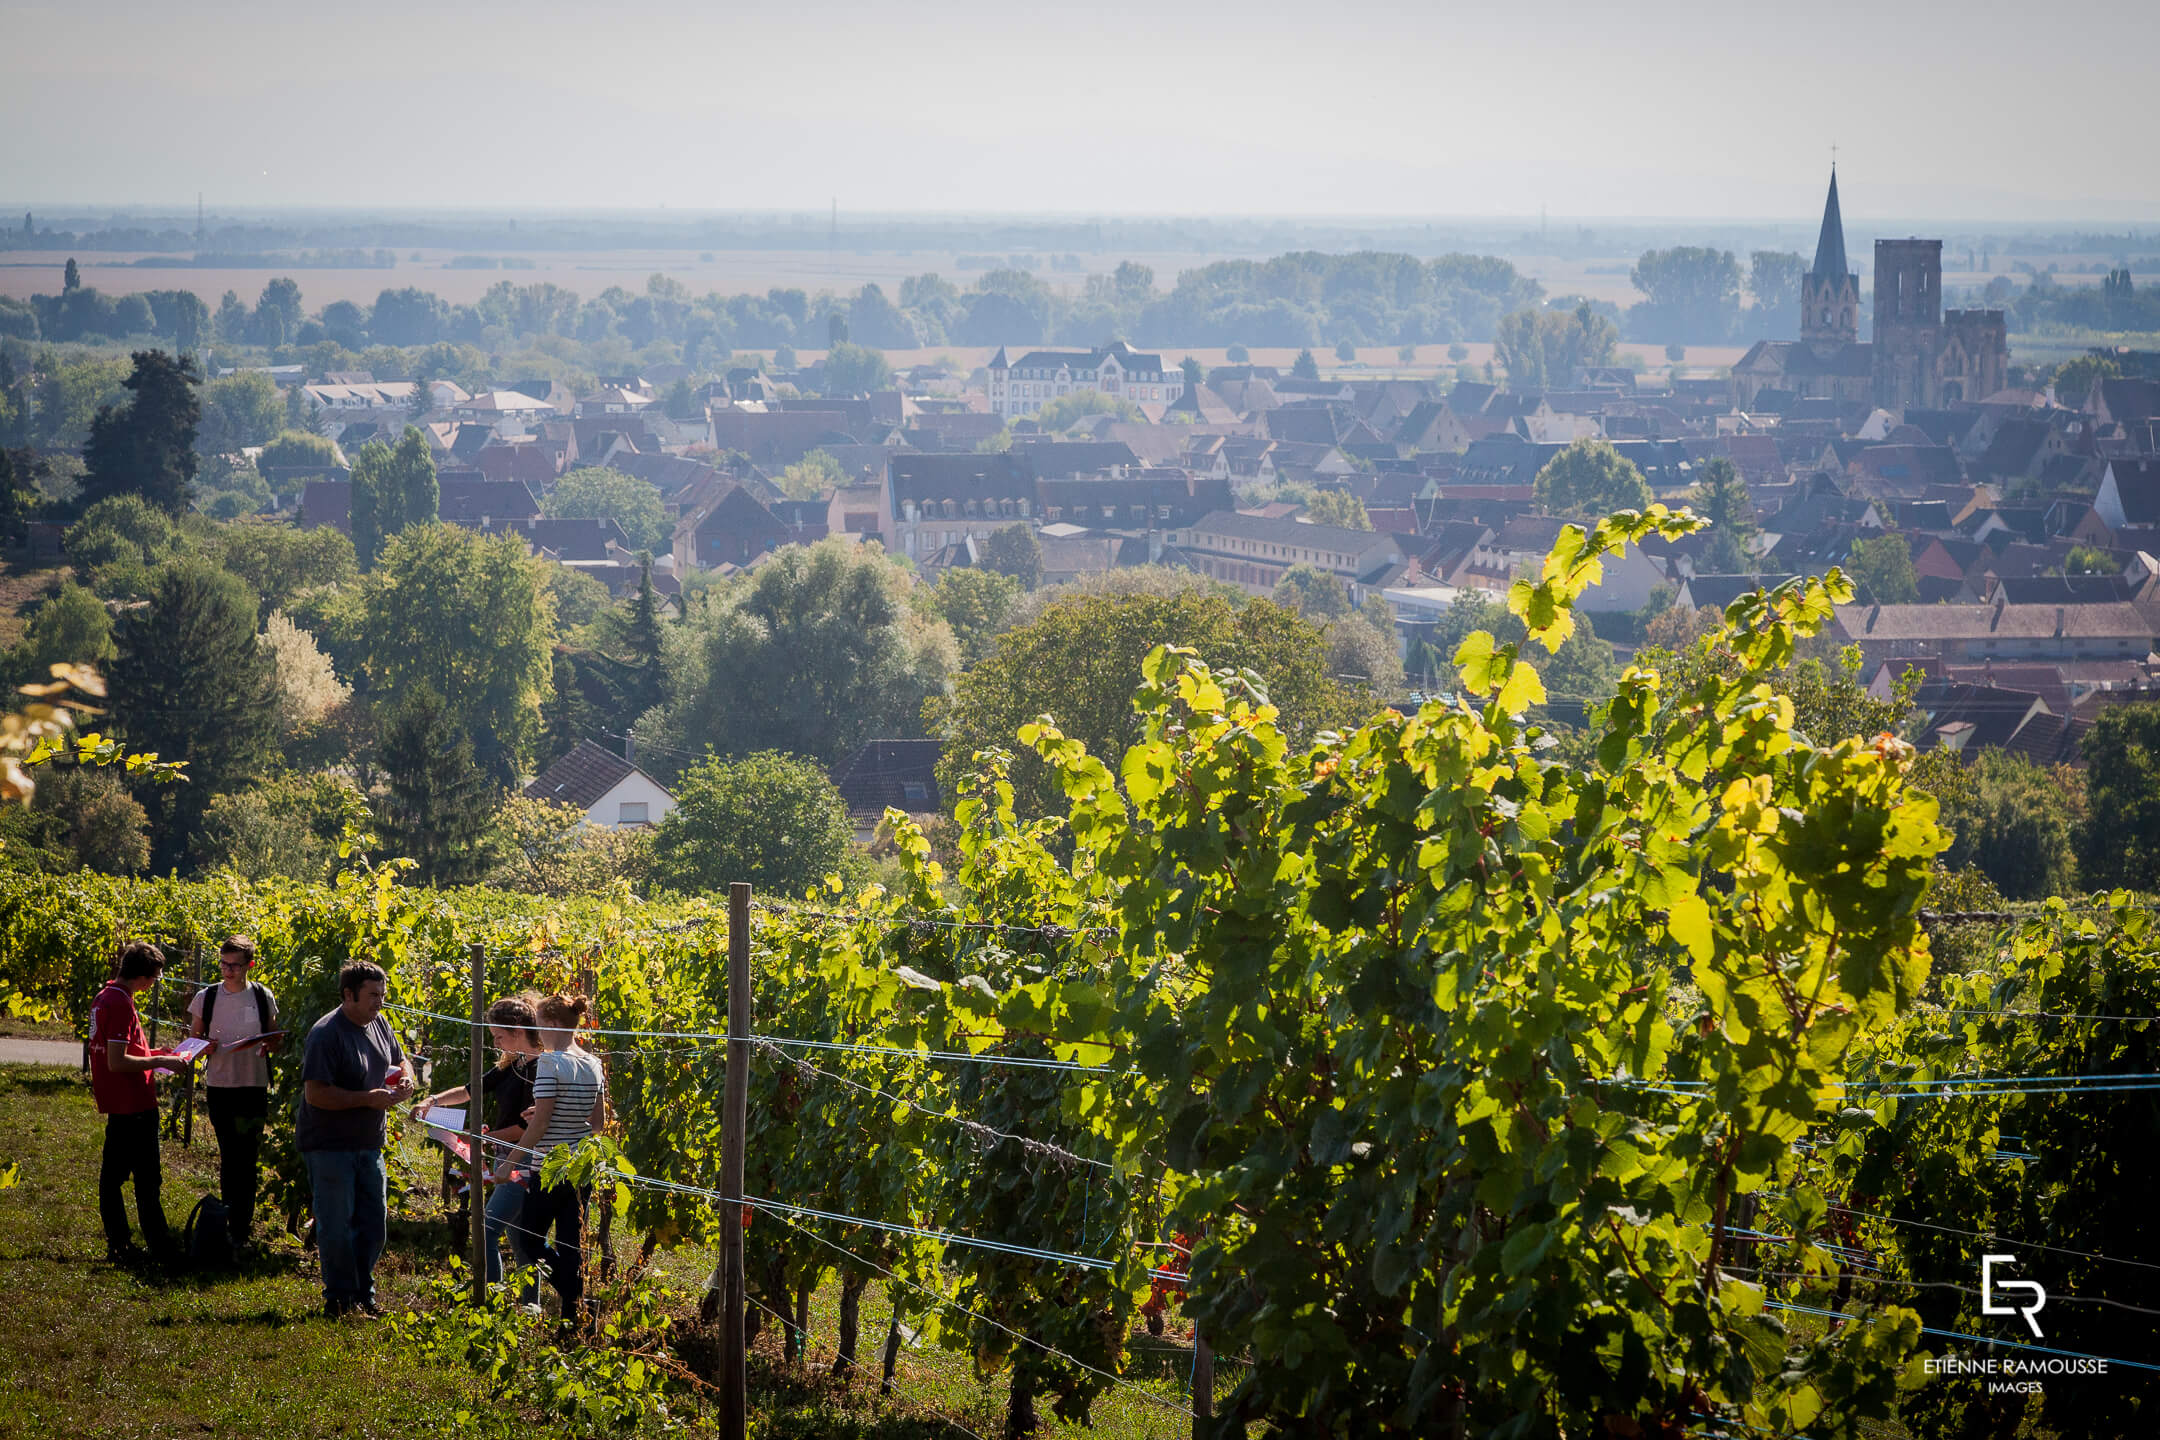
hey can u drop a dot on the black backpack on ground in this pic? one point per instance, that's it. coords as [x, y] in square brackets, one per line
[208, 1244]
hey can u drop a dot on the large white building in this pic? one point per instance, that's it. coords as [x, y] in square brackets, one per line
[1024, 386]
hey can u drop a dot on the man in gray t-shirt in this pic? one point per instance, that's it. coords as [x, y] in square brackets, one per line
[351, 1073]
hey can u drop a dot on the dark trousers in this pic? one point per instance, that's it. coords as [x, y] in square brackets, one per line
[131, 1152]
[238, 1114]
[561, 1208]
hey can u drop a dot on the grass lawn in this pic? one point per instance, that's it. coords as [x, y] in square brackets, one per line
[90, 1350]
[87, 1349]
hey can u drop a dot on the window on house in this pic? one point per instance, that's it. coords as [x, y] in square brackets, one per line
[631, 812]
[914, 790]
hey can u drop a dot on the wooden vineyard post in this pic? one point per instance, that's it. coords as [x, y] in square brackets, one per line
[475, 1203]
[588, 979]
[187, 1115]
[734, 1400]
[1203, 1388]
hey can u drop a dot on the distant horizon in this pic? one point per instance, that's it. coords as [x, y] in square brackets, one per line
[1855, 217]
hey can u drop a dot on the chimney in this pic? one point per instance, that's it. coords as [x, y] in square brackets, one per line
[629, 753]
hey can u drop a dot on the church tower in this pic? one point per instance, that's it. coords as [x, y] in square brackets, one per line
[1829, 293]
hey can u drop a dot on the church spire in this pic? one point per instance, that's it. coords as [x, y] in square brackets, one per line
[1830, 245]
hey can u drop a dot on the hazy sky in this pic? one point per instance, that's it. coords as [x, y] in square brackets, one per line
[1976, 111]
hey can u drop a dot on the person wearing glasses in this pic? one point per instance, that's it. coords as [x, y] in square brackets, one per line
[239, 1017]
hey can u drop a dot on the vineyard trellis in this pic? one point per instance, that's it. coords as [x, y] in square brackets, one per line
[1507, 1087]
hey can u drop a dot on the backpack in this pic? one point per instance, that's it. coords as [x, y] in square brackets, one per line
[208, 1243]
[261, 997]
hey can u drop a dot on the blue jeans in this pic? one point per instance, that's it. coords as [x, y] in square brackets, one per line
[505, 1210]
[351, 1219]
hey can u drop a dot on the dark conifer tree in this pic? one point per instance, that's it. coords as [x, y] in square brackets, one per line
[440, 802]
[72, 280]
[191, 683]
[147, 447]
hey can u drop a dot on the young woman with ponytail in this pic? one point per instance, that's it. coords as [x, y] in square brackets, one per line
[569, 1104]
[507, 1092]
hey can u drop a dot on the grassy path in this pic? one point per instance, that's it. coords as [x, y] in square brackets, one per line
[91, 1350]
[87, 1349]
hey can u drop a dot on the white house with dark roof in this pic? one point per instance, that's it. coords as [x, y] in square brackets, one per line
[609, 789]
[1024, 386]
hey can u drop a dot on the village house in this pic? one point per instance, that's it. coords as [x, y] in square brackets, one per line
[938, 500]
[609, 789]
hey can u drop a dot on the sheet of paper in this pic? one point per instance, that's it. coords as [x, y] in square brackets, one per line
[443, 1122]
[191, 1047]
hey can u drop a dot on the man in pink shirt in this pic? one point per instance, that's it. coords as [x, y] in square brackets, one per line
[123, 1081]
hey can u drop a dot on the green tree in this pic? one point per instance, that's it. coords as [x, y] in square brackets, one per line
[1314, 593]
[1339, 508]
[392, 488]
[190, 682]
[974, 602]
[238, 411]
[1590, 478]
[1237, 355]
[1774, 281]
[2089, 560]
[1060, 414]
[2017, 822]
[818, 653]
[371, 512]
[856, 370]
[286, 826]
[466, 618]
[1077, 661]
[79, 819]
[1542, 348]
[148, 447]
[1722, 498]
[297, 449]
[1305, 367]
[1345, 351]
[1015, 551]
[771, 819]
[1190, 369]
[2074, 378]
[2119, 844]
[71, 278]
[413, 473]
[682, 402]
[1882, 566]
[18, 499]
[1581, 669]
[69, 395]
[281, 562]
[1693, 294]
[71, 628]
[815, 474]
[594, 492]
[440, 802]
[118, 540]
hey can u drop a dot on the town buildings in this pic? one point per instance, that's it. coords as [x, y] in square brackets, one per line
[1024, 386]
[1920, 355]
